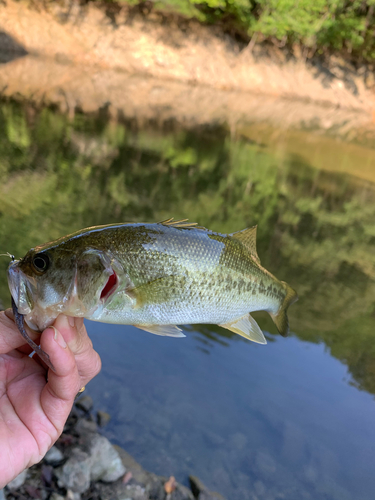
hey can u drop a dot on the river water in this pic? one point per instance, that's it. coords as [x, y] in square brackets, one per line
[293, 419]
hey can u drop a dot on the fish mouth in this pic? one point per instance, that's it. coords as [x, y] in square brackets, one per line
[19, 287]
[110, 287]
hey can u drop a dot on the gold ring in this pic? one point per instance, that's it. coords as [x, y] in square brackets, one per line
[80, 392]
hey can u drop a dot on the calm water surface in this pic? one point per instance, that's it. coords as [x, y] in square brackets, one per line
[293, 419]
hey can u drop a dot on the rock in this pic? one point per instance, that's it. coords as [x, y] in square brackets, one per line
[201, 492]
[106, 464]
[75, 473]
[156, 489]
[98, 460]
[85, 403]
[56, 496]
[18, 481]
[31, 491]
[47, 474]
[155, 486]
[84, 426]
[102, 417]
[210, 495]
[196, 485]
[139, 474]
[54, 456]
[136, 492]
[71, 495]
[182, 493]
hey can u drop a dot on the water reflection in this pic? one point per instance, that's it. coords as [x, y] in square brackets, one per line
[315, 230]
[262, 422]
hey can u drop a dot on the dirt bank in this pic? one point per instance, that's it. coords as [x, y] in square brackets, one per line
[131, 64]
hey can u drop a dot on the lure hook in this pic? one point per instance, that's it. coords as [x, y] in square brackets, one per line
[7, 254]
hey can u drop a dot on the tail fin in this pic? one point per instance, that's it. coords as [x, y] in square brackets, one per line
[280, 318]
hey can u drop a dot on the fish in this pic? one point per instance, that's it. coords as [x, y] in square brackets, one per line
[155, 276]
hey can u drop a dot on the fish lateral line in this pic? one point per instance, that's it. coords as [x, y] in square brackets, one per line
[19, 320]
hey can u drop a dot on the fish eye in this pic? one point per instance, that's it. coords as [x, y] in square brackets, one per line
[41, 262]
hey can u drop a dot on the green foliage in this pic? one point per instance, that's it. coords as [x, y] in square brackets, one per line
[315, 228]
[319, 25]
[290, 18]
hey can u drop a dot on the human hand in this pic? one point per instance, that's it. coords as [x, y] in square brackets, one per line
[33, 411]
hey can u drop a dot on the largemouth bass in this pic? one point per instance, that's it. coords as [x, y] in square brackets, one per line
[153, 276]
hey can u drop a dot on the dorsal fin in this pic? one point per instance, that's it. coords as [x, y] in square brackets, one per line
[248, 237]
[182, 223]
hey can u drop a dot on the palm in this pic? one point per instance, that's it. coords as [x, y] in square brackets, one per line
[26, 433]
[33, 411]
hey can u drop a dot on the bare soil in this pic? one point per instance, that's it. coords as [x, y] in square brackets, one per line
[162, 68]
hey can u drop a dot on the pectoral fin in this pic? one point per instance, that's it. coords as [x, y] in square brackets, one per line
[164, 330]
[246, 327]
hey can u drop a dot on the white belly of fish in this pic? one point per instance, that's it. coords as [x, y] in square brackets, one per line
[181, 312]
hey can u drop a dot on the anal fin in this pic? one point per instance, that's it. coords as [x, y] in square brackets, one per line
[164, 330]
[247, 327]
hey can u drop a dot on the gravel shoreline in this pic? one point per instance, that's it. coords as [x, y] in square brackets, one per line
[84, 465]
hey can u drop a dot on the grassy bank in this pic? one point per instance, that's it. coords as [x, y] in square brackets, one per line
[316, 27]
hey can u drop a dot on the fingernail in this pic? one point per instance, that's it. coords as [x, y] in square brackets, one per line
[71, 321]
[59, 338]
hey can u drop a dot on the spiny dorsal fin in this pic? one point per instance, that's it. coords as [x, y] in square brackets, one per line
[248, 237]
[182, 223]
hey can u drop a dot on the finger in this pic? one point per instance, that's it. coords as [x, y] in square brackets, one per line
[74, 332]
[10, 337]
[58, 394]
